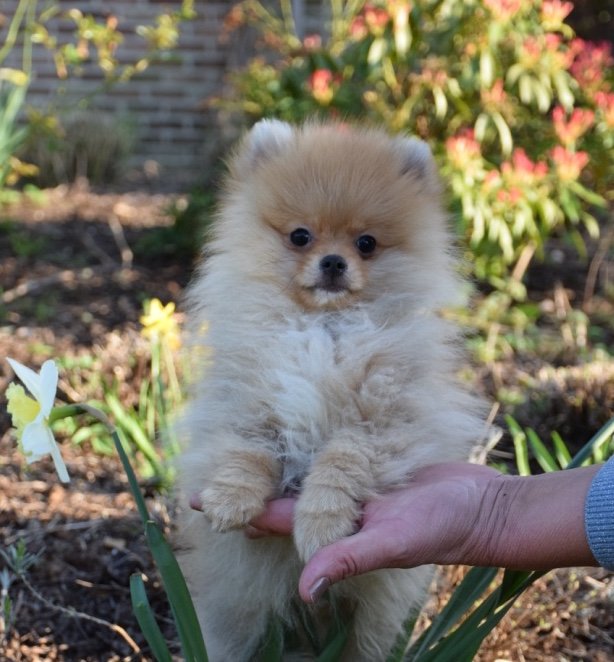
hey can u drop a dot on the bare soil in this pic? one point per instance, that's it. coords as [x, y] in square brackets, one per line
[72, 286]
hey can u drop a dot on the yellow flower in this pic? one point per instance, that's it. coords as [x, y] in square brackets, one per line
[159, 323]
[31, 414]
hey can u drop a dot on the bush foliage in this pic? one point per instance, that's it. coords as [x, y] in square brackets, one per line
[518, 111]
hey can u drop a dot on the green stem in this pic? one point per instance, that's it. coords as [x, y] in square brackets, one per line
[69, 411]
[13, 30]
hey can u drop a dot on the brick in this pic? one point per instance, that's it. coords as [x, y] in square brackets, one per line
[166, 101]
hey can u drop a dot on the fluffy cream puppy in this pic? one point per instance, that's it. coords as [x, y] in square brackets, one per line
[329, 372]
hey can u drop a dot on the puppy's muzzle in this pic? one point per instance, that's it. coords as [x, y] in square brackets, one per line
[333, 270]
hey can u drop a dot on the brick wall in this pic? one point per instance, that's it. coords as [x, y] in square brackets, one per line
[163, 107]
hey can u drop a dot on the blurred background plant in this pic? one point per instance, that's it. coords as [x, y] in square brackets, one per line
[518, 111]
[184, 237]
[147, 427]
[94, 42]
[145, 423]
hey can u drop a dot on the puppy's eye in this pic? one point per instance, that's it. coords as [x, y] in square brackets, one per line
[366, 244]
[300, 237]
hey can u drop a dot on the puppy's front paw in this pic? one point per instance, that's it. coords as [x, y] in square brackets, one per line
[230, 507]
[322, 516]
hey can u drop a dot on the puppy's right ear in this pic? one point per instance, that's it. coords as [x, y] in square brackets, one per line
[266, 138]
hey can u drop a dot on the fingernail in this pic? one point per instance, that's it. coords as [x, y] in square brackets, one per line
[319, 588]
[195, 502]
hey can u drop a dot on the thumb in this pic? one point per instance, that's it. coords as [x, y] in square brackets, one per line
[355, 555]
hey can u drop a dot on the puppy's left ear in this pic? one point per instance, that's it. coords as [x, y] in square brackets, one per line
[417, 161]
[266, 138]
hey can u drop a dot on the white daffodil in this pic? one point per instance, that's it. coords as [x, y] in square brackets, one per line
[30, 414]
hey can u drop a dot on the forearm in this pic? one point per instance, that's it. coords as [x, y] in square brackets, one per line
[534, 522]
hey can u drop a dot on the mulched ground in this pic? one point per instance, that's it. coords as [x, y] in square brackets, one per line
[72, 286]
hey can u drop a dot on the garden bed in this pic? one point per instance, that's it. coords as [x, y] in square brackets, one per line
[73, 285]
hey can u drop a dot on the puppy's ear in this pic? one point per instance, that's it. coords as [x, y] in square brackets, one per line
[266, 138]
[417, 161]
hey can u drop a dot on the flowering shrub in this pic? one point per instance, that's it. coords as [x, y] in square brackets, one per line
[518, 111]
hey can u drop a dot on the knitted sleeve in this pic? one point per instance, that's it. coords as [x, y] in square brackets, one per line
[599, 516]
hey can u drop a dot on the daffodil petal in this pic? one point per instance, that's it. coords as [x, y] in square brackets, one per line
[35, 440]
[48, 386]
[30, 378]
[58, 461]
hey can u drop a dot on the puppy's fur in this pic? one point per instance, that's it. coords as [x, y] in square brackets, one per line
[328, 372]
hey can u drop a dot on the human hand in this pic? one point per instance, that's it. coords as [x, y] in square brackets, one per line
[432, 520]
[454, 513]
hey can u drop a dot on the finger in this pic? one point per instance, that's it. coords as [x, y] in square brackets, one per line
[277, 519]
[348, 557]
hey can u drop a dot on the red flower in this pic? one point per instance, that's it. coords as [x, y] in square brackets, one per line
[503, 9]
[554, 12]
[568, 164]
[509, 196]
[495, 96]
[320, 84]
[590, 62]
[463, 148]
[522, 170]
[605, 103]
[376, 18]
[312, 42]
[569, 131]
[358, 28]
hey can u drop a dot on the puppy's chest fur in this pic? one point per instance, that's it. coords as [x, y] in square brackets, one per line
[325, 375]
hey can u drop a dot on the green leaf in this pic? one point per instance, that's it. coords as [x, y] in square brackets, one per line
[475, 582]
[273, 645]
[487, 67]
[397, 654]
[462, 644]
[586, 194]
[179, 598]
[378, 49]
[561, 451]
[520, 446]
[332, 653]
[541, 453]
[563, 90]
[146, 620]
[505, 135]
[441, 103]
[132, 426]
[599, 438]
[525, 89]
[176, 589]
[592, 225]
[480, 126]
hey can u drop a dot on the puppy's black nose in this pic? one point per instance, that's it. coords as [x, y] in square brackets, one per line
[333, 266]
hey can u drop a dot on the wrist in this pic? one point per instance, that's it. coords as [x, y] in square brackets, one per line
[533, 522]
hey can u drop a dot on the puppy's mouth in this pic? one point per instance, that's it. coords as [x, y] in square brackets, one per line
[334, 286]
[326, 294]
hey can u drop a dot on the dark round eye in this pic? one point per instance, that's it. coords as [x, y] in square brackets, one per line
[366, 244]
[300, 237]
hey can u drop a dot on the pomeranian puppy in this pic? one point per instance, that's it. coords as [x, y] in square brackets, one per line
[328, 373]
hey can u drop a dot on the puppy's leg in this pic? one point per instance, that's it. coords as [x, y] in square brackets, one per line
[329, 506]
[238, 489]
[237, 585]
[384, 601]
